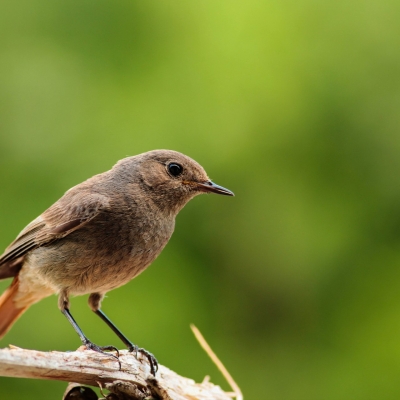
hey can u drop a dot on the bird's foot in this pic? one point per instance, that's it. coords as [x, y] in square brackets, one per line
[103, 349]
[152, 360]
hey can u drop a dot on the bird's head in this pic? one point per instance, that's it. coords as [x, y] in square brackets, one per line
[171, 179]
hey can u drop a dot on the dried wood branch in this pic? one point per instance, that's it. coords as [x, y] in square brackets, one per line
[133, 381]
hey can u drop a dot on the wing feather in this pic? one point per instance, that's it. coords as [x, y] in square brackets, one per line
[68, 214]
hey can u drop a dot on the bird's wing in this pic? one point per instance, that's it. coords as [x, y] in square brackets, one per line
[68, 214]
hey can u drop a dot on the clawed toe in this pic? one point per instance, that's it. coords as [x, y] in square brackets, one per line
[133, 349]
[152, 360]
[103, 350]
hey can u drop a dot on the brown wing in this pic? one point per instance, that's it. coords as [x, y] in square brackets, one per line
[68, 214]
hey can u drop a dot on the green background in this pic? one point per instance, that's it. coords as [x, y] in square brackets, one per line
[293, 105]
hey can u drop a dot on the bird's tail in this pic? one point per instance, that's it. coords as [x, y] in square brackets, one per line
[9, 312]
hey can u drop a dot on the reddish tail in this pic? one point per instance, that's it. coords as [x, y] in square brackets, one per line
[9, 313]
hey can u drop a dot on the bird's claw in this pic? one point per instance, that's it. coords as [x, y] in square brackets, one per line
[133, 349]
[152, 360]
[103, 349]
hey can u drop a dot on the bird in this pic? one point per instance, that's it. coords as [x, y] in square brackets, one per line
[100, 235]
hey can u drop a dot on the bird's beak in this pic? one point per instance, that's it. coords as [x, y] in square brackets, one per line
[212, 187]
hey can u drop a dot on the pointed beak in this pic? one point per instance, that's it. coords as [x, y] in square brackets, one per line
[212, 187]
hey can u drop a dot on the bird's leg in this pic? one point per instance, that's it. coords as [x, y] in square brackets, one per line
[94, 303]
[64, 307]
[85, 341]
[131, 347]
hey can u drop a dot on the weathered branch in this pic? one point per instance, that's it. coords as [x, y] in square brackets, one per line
[133, 381]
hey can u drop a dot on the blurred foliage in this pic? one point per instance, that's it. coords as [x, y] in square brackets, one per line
[294, 105]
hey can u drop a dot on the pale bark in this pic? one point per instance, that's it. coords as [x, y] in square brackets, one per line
[133, 381]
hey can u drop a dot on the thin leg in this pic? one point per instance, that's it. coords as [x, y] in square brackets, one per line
[131, 347]
[85, 341]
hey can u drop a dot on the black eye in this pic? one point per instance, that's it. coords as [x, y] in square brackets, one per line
[175, 169]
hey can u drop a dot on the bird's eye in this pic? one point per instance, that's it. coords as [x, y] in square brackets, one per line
[175, 169]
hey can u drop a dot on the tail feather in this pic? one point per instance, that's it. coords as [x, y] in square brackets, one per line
[9, 312]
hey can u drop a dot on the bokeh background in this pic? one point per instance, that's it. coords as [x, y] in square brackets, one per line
[293, 105]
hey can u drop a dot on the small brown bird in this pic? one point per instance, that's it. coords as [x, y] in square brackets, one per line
[100, 235]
